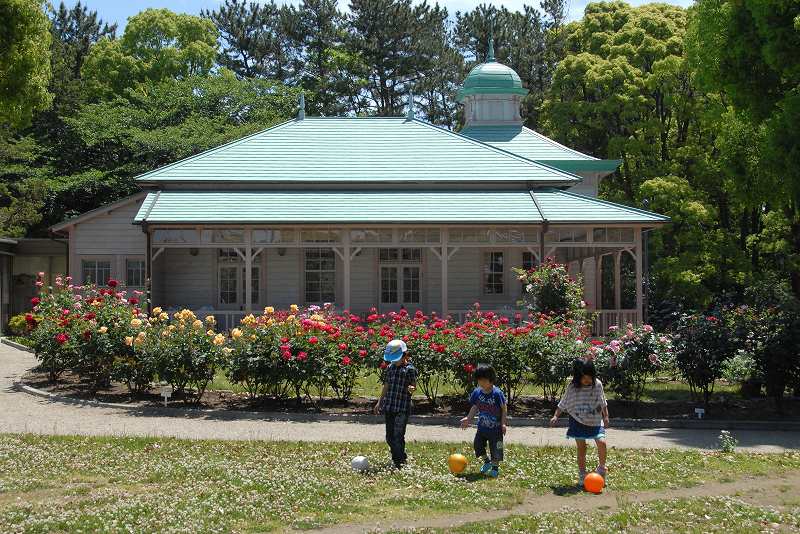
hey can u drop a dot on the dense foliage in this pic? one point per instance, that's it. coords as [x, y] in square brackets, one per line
[700, 105]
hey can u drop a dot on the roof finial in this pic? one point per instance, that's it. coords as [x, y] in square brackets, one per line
[410, 106]
[301, 107]
[490, 53]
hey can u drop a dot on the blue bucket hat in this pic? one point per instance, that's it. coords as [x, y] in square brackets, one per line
[394, 350]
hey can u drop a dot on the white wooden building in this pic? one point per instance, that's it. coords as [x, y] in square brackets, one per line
[371, 212]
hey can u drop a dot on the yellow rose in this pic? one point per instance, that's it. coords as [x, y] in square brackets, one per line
[171, 328]
[236, 333]
[210, 319]
[210, 332]
[290, 319]
[293, 308]
[103, 329]
[219, 339]
[197, 324]
[136, 323]
[163, 316]
[252, 337]
[316, 317]
[129, 340]
[166, 333]
[157, 310]
[227, 351]
[269, 310]
[270, 321]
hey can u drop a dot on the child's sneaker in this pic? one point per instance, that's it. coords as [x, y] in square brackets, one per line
[494, 471]
[601, 471]
[486, 467]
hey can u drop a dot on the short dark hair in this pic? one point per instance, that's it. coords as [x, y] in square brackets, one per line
[487, 372]
[583, 367]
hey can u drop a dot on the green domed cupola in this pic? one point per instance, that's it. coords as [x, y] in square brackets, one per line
[491, 77]
[492, 93]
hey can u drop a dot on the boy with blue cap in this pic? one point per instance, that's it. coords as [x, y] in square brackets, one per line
[399, 383]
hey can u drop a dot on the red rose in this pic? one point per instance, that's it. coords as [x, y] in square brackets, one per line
[596, 342]
[711, 318]
[112, 283]
[62, 338]
[342, 346]
[287, 355]
[383, 364]
[89, 316]
[284, 340]
[469, 368]
[35, 301]
[302, 356]
[551, 334]
[346, 360]
[362, 353]
[313, 340]
[133, 300]
[87, 335]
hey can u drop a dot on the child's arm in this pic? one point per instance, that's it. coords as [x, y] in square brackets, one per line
[465, 422]
[378, 404]
[604, 413]
[555, 417]
[504, 418]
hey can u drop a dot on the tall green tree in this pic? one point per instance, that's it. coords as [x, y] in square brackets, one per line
[400, 43]
[24, 61]
[256, 38]
[157, 45]
[748, 51]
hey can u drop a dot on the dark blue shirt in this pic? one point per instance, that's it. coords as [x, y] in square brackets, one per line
[490, 409]
[398, 378]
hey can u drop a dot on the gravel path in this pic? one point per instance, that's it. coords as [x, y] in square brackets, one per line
[21, 412]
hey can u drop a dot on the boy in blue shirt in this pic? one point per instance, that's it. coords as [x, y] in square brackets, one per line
[490, 404]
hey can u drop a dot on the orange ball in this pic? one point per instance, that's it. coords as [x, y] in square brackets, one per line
[593, 483]
[457, 463]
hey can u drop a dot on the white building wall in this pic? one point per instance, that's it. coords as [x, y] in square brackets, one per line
[181, 280]
[111, 236]
[364, 280]
[589, 186]
[284, 277]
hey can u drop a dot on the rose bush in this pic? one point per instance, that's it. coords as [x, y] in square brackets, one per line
[631, 356]
[550, 289]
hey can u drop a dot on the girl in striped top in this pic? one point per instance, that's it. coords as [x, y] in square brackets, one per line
[586, 405]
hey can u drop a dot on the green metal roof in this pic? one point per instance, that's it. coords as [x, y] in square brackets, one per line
[357, 151]
[491, 78]
[535, 146]
[393, 206]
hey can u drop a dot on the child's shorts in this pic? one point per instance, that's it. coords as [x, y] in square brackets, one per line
[495, 442]
[578, 430]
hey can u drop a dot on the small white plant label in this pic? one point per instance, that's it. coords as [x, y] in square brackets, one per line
[700, 412]
[166, 392]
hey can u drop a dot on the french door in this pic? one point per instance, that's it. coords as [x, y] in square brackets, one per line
[400, 275]
[231, 282]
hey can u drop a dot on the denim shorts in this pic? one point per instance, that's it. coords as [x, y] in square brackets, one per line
[578, 430]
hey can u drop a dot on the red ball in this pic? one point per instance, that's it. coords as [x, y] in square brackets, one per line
[594, 483]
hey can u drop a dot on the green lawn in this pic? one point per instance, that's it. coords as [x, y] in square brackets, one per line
[147, 485]
[728, 515]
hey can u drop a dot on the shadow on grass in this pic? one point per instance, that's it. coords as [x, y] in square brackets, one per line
[566, 490]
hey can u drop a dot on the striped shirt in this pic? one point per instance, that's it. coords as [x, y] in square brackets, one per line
[584, 403]
[398, 378]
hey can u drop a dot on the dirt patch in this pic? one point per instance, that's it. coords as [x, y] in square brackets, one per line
[724, 406]
[769, 491]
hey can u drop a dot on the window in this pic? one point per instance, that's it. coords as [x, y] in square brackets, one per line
[95, 271]
[320, 276]
[493, 273]
[420, 235]
[613, 235]
[268, 236]
[366, 235]
[566, 235]
[411, 285]
[134, 272]
[389, 285]
[469, 235]
[397, 255]
[175, 236]
[319, 236]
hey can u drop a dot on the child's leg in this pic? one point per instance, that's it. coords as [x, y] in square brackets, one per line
[496, 448]
[601, 454]
[581, 443]
[479, 444]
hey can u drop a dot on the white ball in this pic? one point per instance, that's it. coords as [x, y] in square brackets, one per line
[360, 464]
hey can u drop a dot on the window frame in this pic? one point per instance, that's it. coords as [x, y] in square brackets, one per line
[486, 262]
[96, 259]
[321, 292]
[141, 259]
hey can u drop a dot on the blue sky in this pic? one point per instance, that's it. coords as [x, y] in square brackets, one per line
[119, 10]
